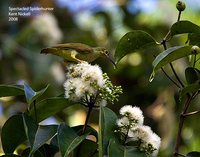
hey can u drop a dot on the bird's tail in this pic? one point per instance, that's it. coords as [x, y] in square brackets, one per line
[49, 50]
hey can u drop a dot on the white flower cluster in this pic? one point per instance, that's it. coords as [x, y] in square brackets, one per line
[83, 82]
[131, 127]
[46, 26]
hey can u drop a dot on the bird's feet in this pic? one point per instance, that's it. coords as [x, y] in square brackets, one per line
[81, 61]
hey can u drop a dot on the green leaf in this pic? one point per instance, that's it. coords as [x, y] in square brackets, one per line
[107, 126]
[182, 27]
[26, 153]
[169, 56]
[49, 107]
[88, 149]
[192, 75]
[194, 39]
[31, 95]
[43, 134]
[117, 150]
[68, 140]
[37, 135]
[78, 129]
[10, 155]
[30, 127]
[193, 154]
[11, 90]
[192, 88]
[132, 42]
[13, 134]
[45, 151]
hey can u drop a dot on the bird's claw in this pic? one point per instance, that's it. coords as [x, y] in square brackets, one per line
[81, 61]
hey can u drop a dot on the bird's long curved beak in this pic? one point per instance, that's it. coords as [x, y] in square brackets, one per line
[111, 60]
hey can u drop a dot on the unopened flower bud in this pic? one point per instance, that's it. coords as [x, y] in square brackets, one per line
[180, 6]
[195, 49]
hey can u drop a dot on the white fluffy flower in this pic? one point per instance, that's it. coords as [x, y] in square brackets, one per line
[83, 79]
[93, 74]
[131, 124]
[124, 121]
[148, 138]
[142, 132]
[133, 113]
[103, 102]
[87, 72]
[155, 142]
[46, 26]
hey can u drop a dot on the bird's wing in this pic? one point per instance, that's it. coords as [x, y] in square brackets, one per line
[76, 46]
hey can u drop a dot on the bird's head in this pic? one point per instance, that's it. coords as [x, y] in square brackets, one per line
[104, 52]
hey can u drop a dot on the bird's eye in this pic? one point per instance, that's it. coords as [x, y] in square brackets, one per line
[106, 52]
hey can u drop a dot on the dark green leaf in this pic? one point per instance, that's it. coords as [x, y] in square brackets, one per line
[30, 127]
[37, 135]
[13, 133]
[26, 153]
[192, 88]
[132, 42]
[78, 129]
[117, 150]
[193, 154]
[43, 134]
[49, 150]
[107, 126]
[87, 149]
[31, 95]
[68, 140]
[169, 56]
[54, 141]
[192, 75]
[11, 90]
[194, 39]
[49, 107]
[182, 27]
[44, 151]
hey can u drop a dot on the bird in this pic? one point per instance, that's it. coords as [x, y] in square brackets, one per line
[77, 52]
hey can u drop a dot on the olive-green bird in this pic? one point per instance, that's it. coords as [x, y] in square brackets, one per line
[77, 52]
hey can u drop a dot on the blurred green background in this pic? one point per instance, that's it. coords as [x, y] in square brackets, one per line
[98, 23]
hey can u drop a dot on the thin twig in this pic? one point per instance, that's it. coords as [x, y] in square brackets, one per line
[87, 118]
[171, 65]
[178, 79]
[126, 135]
[195, 57]
[191, 113]
[178, 154]
[96, 151]
[179, 16]
[170, 78]
[90, 107]
[35, 111]
[181, 121]
[165, 39]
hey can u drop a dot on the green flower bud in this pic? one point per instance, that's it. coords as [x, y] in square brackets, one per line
[180, 6]
[195, 49]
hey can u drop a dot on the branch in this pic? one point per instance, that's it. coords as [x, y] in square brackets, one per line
[171, 65]
[190, 113]
[169, 76]
[181, 121]
[177, 154]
